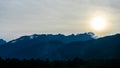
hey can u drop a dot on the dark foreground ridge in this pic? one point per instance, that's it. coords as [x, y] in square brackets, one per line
[75, 63]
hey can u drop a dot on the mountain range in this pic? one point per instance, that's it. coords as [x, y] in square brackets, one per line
[61, 47]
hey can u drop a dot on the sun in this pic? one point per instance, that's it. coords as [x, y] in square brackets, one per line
[98, 23]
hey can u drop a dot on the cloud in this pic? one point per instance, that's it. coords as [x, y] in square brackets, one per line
[52, 16]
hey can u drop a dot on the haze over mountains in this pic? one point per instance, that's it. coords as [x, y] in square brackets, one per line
[61, 47]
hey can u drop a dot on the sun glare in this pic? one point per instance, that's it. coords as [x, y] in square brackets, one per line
[98, 23]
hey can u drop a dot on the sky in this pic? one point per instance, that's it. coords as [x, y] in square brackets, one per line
[24, 17]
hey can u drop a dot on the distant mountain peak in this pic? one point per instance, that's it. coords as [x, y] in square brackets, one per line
[59, 37]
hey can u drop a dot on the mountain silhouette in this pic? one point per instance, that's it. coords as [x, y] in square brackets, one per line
[61, 47]
[2, 42]
[102, 48]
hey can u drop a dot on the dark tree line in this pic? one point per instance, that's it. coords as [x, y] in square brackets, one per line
[75, 63]
[37, 63]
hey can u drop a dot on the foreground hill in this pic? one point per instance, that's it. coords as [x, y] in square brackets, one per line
[60, 47]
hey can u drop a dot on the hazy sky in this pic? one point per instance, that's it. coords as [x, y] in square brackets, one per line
[22, 17]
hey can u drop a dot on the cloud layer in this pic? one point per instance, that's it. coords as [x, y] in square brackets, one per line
[19, 17]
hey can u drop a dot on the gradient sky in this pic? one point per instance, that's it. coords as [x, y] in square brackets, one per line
[23, 17]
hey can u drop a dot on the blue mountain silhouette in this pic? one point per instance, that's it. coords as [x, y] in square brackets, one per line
[61, 47]
[2, 42]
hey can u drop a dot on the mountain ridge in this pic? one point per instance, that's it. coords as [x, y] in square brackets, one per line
[2, 41]
[56, 48]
